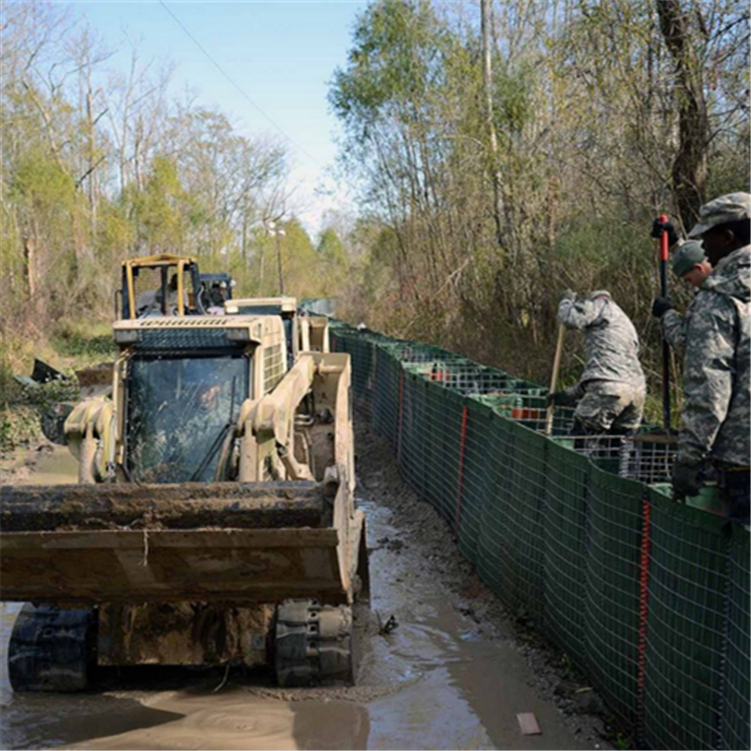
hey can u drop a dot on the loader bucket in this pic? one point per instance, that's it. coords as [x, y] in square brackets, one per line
[120, 543]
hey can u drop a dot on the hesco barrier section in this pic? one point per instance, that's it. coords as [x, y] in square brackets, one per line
[648, 597]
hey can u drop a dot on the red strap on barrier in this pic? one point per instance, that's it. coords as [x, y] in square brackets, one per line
[460, 481]
[399, 432]
[643, 608]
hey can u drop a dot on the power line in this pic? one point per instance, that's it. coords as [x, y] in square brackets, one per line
[238, 88]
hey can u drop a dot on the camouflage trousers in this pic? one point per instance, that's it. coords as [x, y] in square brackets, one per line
[610, 407]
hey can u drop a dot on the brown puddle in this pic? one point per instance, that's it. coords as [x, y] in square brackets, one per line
[46, 465]
[439, 681]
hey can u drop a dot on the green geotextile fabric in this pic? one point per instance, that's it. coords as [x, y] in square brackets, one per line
[648, 597]
[737, 655]
[611, 607]
[510, 553]
[477, 479]
[565, 548]
[685, 634]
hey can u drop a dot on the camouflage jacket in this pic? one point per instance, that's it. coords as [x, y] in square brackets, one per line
[715, 420]
[611, 343]
[673, 326]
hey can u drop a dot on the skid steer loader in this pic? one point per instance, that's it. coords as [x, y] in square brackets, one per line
[214, 519]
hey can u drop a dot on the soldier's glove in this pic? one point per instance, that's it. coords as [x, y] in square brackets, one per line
[661, 305]
[686, 480]
[562, 398]
[659, 227]
[568, 294]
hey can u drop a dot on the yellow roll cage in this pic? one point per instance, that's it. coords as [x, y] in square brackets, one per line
[163, 260]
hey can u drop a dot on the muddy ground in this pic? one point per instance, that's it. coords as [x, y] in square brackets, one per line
[453, 673]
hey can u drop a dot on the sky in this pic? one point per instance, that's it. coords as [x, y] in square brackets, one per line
[279, 53]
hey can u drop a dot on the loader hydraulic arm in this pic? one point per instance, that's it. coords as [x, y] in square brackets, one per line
[268, 427]
[89, 431]
[269, 423]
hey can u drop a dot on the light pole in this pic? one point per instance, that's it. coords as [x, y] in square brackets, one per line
[277, 234]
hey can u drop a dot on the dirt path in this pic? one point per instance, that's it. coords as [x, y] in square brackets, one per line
[453, 674]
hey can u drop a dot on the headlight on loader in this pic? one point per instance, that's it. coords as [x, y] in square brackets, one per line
[238, 335]
[126, 336]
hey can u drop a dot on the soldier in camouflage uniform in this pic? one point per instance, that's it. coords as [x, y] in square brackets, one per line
[715, 421]
[609, 396]
[690, 263]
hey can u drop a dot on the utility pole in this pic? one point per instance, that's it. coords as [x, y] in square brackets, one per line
[277, 234]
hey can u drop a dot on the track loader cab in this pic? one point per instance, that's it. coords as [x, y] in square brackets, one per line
[164, 284]
[181, 390]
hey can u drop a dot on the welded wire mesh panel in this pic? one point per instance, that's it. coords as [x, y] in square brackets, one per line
[736, 694]
[516, 550]
[380, 392]
[361, 352]
[414, 352]
[503, 404]
[493, 533]
[476, 461]
[565, 548]
[427, 405]
[386, 396]
[527, 405]
[469, 378]
[535, 417]
[688, 569]
[411, 435]
[431, 427]
[611, 621]
[440, 431]
[604, 451]
[648, 459]
[451, 421]
[533, 412]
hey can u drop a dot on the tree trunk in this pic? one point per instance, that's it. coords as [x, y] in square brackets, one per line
[493, 161]
[90, 166]
[689, 173]
[29, 256]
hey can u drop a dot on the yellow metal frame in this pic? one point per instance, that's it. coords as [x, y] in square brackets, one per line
[153, 262]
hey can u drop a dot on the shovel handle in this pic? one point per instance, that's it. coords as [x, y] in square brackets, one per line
[663, 250]
[554, 379]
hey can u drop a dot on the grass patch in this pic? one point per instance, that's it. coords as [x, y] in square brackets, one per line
[86, 343]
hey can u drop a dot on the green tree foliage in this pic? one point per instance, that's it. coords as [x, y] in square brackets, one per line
[592, 107]
[161, 211]
[333, 262]
[99, 168]
[300, 265]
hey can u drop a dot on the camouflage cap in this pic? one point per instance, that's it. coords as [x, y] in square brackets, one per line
[687, 256]
[728, 208]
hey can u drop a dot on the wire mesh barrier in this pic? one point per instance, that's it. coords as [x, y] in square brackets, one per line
[647, 458]
[648, 597]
